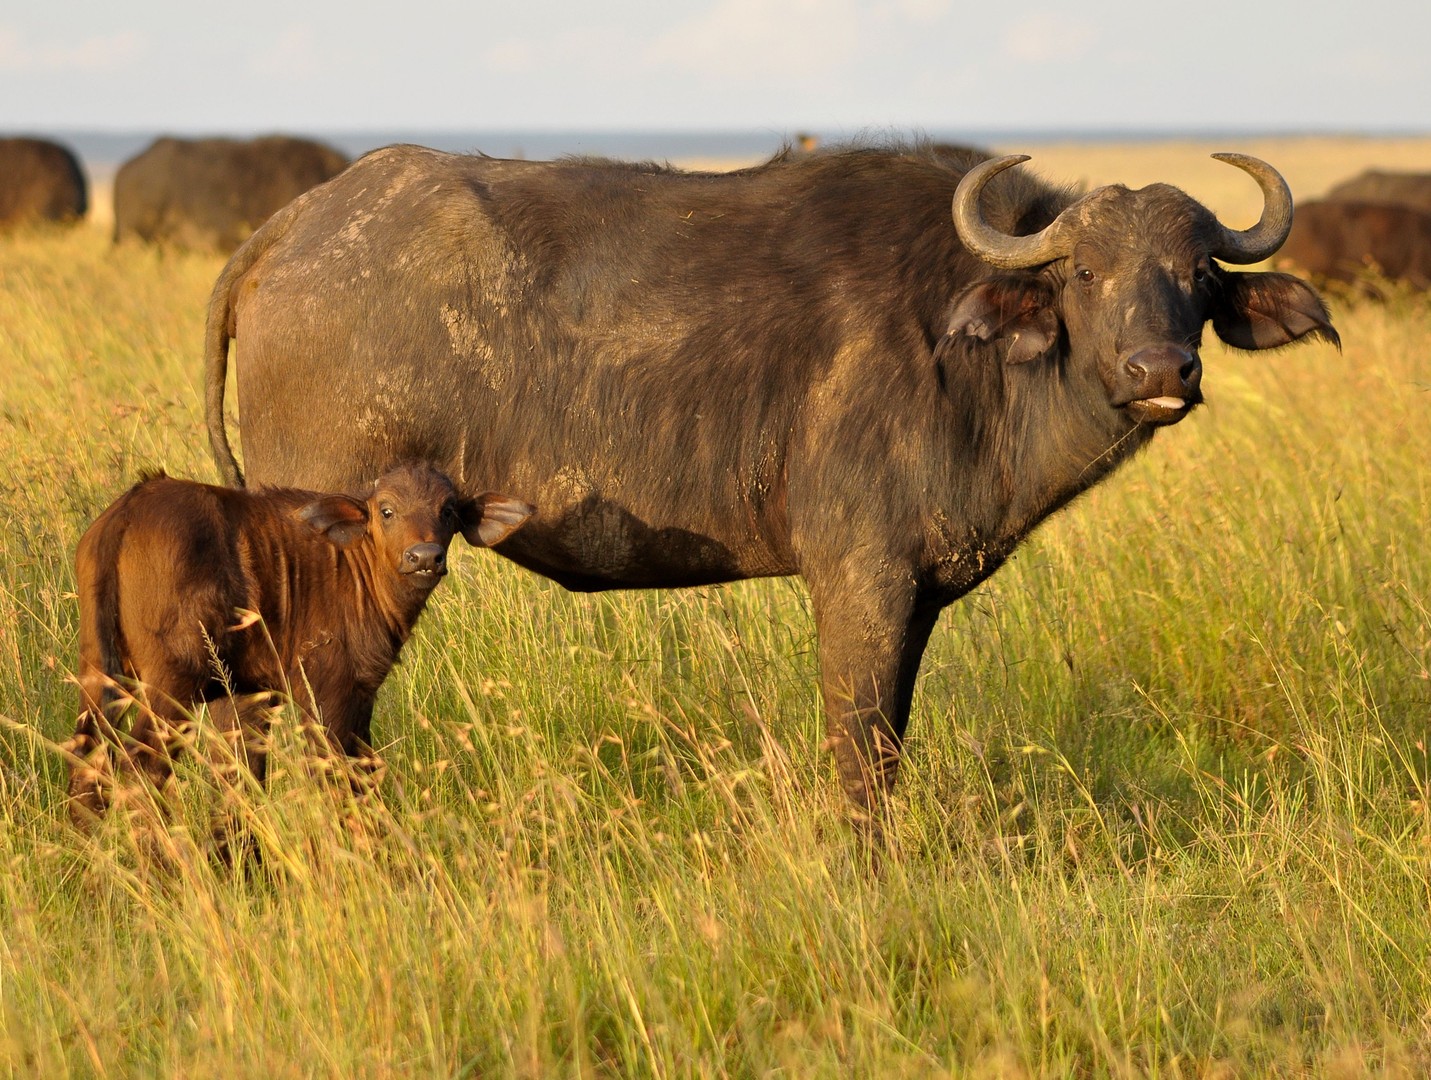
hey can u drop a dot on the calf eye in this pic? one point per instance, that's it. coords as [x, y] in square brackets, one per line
[386, 511]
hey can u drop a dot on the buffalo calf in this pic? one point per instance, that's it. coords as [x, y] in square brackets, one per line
[191, 593]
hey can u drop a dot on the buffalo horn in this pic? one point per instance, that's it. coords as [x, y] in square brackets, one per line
[995, 247]
[1257, 243]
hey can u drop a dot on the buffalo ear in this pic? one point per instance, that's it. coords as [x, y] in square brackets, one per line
[1263, 311]
[491, 518]
[1015, 310]
[342, 519]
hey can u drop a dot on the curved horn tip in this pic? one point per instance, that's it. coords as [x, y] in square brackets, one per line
[1272, 228]
[991, 167]
[989, 244]
[1254, 166]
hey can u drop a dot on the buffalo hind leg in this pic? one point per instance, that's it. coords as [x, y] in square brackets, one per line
[91, 767]
[92, 748]
[162, 724]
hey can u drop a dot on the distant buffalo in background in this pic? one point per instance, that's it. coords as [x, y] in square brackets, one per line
[1345, 241]
[213, 193]
[1396, 188]
[40, 181]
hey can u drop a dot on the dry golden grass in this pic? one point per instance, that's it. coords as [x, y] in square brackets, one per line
[1166, 809]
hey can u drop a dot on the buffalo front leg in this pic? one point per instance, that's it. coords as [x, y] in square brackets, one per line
[243, 724]
[341, 739]
[872, 637]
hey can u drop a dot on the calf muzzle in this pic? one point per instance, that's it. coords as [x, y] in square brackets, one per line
[425, 562]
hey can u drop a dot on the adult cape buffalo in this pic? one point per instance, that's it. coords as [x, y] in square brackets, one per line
[40, 180]
[211, 194]
[799, 368]
[1348, 241]
[1377, 186]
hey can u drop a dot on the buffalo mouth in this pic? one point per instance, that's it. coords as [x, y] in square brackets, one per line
[427, 579]
[1163, 410]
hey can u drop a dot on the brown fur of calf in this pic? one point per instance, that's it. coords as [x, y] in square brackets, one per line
[167, 578]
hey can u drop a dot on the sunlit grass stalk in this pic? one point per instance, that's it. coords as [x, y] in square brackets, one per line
[1165, 807]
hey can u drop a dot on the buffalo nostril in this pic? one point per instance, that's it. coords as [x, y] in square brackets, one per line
[424, 557]
[1156, 368]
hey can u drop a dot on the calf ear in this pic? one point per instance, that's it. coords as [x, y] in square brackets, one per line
[1263, 311]
[491, 518]
[1015, 310]
[340, 518]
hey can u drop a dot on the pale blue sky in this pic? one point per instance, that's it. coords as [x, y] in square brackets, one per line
[835, 66]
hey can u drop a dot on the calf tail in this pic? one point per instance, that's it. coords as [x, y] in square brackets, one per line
[98, 583]
[101, 666]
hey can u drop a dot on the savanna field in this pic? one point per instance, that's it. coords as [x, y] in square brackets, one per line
[1165, 811]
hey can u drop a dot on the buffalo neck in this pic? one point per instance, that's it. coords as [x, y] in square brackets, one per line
[1022, 440]
[381, 599]
[343, 597]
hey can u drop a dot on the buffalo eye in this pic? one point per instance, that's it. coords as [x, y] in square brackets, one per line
[1201, 272]
[387, 512]
[1085, 276]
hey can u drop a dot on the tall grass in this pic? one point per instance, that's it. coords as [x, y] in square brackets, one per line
[1164, 811]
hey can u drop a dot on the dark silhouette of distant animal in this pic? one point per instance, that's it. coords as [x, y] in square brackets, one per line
[40, 180]
[307, 594]
[1379, 186]
[803, 367]
[211, 194]
[1349, 241]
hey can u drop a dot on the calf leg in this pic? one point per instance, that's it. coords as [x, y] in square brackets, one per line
[161, 720]
[349, 729]
[91, 767]
[242, 725]
[94, 744]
